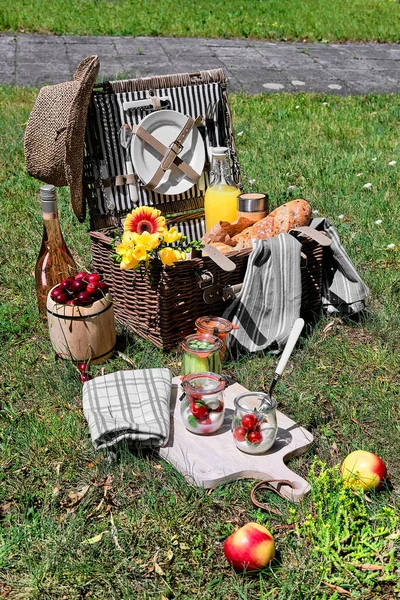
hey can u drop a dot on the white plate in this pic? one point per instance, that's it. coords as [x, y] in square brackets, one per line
[165, 125]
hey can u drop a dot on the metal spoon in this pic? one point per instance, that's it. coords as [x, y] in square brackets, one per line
[290, 344]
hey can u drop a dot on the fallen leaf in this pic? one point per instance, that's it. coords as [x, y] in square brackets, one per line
[56, 491]
[158, 569]
[94, 539]
[74, 498]
[159, 467]
[5, 507]
[58, 467]
[114, 534]
[170, 555]
[369, 567]
[337, 589]
[184, 547]
[90, 465]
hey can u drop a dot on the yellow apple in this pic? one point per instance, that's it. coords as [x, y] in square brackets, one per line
[363, 469]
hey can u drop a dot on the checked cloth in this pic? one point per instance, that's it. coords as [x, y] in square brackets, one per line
[132, 405]
[270, 299]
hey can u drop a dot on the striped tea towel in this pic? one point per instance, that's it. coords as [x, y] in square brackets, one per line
[128, 405]
[269, 302]
[343, 291]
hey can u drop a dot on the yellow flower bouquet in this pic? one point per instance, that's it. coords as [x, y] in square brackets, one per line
[146, 236]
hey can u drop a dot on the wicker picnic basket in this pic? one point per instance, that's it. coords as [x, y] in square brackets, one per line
[162, 304]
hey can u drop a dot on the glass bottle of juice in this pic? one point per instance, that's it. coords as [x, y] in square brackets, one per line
[220, 200]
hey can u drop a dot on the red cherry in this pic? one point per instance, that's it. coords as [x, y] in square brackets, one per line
[83, 367]
[83, 299]
[92, 288]
[80, 275]
[255, 437]
[66, 283]
[205, 421]
[249, 422]
[103, 287]
[199, 411]
[92, 277]
[61, 297]
[55, 292]
[84, 377]
[239, 434]
[78, 286]
[71, 302]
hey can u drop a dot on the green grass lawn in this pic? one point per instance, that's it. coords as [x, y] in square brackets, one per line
[308, 20]
[140, 531]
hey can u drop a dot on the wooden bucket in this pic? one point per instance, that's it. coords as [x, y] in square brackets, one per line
[82, 333]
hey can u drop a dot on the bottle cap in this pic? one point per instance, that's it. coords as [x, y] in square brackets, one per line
[48, 198]
[219, 151]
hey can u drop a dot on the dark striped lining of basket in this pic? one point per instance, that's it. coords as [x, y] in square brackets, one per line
[186, 98]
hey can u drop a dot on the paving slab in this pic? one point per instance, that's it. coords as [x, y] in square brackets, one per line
[254, 66]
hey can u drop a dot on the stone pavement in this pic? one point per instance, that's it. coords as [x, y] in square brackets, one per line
[252, 66]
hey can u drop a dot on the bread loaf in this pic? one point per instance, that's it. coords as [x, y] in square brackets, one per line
[296, 213]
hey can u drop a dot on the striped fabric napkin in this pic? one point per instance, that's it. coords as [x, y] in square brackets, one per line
[269, 302]
[132, 405]
[343, 291]
[270, 299]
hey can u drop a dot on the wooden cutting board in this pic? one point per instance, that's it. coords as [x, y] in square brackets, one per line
[210, 460]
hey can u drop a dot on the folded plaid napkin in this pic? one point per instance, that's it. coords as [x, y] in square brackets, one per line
[343, 291]
[128, 405]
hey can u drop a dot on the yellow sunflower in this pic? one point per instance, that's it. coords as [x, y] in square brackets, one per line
[145, 219]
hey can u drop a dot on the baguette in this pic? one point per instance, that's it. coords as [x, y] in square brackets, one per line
[296, 213]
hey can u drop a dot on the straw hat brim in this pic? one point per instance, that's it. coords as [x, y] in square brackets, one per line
[85, 75]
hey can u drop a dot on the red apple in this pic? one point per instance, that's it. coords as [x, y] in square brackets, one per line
[363, 469]
[250, 548]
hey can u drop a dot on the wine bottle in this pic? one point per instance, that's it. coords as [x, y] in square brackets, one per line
[55, 261]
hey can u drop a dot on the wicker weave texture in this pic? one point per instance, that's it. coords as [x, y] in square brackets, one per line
[163, 304]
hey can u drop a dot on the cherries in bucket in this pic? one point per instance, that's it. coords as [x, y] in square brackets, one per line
[81, 290]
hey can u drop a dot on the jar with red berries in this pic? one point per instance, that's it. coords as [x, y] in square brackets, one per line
[202, 404]
[254, 424]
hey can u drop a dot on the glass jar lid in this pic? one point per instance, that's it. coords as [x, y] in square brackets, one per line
[203, 383]
[201, 344]
[215, 324]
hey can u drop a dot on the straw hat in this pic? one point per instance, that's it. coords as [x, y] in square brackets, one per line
[55, 133]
